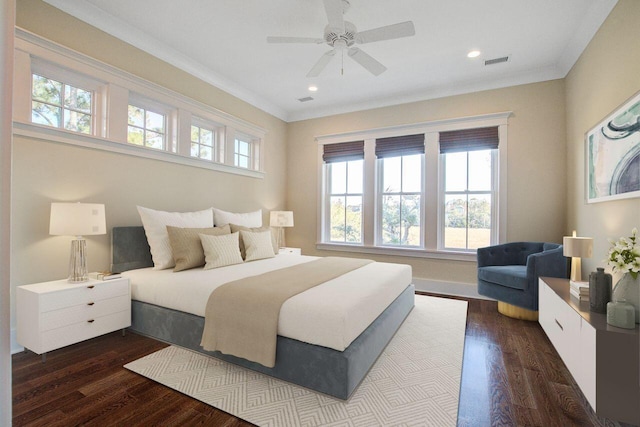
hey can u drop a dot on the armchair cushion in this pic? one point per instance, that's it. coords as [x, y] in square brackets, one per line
[512, 276]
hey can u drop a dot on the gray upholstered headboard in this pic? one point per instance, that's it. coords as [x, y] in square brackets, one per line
[129, 249]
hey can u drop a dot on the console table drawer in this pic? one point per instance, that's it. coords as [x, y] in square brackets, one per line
[561, 324]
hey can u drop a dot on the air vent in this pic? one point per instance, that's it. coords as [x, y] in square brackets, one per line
[496, 60]
[305, 99]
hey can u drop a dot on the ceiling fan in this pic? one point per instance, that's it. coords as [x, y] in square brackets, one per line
[341, 36]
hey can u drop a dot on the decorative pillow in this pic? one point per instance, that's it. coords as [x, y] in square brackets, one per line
[274, 239]
[220, 250]
[249, 219]
[186, 246]
[257, 244]
[155, 227]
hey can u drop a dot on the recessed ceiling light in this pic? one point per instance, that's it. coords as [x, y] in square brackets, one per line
[473, 54]
[313, 88]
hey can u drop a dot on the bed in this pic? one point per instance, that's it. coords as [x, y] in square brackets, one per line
[321, 345]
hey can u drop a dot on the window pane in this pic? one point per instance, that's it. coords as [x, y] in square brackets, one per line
[243, 148]
[77, 122]
[154, 140]
[479, 221]
[46, 90]
[155, 122]
[353, 228]
[45, 114]
[391, 220]
[194, 149]
[392, 174]
[135, 136]
[241, 161]
[136, 116]
[412, 173]
[455, 218]
[337, 219]
[456, 171]
[355, 171]
[338, 177]
[480, 170]
[195, 135]
[206, 137]
[205, 152]
[410, 221]
[77, 99]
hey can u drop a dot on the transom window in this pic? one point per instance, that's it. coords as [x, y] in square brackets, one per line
[242, 152]
[60, 105]
[203, 143]
[146, 128]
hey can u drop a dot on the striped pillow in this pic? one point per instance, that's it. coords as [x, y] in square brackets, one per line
[257, 244]
[186, 246]
[220, 251]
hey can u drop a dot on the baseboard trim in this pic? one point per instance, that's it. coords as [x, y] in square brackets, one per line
[15, 347]
[467, 290]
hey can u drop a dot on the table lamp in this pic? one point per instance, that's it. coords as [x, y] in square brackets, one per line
[77, 219]
[280, 219]
[577, 248]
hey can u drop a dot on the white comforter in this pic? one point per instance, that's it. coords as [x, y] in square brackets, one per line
[332, 314]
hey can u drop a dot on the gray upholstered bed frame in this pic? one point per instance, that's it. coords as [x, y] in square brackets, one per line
[336, 373]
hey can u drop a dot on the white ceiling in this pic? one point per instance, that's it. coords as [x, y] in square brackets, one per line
[224, 43]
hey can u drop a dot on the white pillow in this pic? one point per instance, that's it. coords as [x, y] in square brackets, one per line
[249, 219]
[257, 245]
[220, 251]
[155, 227]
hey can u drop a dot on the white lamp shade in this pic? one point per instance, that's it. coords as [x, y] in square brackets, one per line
[77, 219]
[577, 247]
[281, 219]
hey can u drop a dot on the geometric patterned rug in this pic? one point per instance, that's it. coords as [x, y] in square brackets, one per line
[415, 381]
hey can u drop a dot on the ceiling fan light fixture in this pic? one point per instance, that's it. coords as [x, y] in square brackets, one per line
[473, 54]
[313, 88]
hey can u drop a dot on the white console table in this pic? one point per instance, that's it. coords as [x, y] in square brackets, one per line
[603, 359]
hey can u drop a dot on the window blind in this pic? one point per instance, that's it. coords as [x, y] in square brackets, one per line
[400, 146]
[343, 151]
[469, 140]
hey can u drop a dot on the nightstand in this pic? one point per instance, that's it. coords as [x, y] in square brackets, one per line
[51, 315]
[290, 251]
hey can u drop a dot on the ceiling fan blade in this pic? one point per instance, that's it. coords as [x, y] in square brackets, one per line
[388, 32]
[322, 62]
[276, 39]
[373, 66]
[335, 13]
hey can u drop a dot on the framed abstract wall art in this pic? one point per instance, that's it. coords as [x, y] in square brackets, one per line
[613, 155]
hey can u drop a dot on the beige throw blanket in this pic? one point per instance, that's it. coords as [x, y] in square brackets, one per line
[241, 317]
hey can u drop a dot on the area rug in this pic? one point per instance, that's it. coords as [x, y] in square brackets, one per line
[415, 381]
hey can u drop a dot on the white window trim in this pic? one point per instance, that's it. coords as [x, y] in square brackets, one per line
[110, 130]
[430, 175]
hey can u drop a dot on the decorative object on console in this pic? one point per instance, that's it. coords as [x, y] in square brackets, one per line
[624, 257]
[577, 248]
[599, 290]
[281, 219]
[621, 314]
[579, 290]
[77, 219]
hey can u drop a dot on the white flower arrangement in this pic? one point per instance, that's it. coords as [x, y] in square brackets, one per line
[624, 255]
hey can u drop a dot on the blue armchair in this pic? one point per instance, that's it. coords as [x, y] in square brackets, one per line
[509, 273]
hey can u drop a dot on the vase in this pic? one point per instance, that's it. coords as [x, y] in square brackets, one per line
[628, 289]
[599, 290]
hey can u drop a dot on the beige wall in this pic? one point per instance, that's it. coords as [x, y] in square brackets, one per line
[536, 165]
[47, 171]
[605, 76]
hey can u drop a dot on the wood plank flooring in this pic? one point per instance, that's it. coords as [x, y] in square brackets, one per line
[511, 376]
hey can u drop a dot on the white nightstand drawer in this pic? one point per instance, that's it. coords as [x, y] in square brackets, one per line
[84, 293]
[83, 312]
[71, 334]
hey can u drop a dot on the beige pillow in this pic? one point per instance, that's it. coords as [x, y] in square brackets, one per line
[249, 219]
[186, 246]
[257, 244]
[274, 240]
[220, 251]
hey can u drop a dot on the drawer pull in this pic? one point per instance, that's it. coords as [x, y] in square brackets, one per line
[558, 323]
[90, 286]
[91, 321]
[90, 303]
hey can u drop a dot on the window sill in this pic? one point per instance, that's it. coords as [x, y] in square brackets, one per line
[406, 252]
[62, 136]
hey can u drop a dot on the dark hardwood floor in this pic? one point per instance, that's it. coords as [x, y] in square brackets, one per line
[511, 376]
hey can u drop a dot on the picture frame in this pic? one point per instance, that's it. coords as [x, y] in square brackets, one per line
[613, 155]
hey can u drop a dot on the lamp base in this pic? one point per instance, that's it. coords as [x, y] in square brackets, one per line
[78, 261]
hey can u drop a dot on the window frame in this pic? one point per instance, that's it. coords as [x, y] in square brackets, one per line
[217, 132]
[114, 89]
[431, 179]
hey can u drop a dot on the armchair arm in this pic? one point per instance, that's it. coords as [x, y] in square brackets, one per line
[551, 263]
